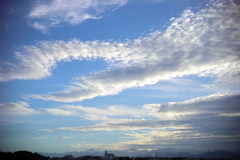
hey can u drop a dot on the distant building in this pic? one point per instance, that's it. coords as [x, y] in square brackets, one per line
[67, 157]
[108, 156]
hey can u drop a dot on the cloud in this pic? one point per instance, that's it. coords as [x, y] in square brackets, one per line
[64, 137]
[205, 122]
[58, 112]
[127, 124]
[72, 12]
[178, 141]
[76, 146]
[180, 115]
[86, 133]
[117, 110]
[19, 108]
[171, 19]
[97, 114]
[203, 43]
[41, 27]
[87, 146]
[47, 130]
[214, 104]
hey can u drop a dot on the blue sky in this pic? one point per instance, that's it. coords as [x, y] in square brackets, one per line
[120, 75]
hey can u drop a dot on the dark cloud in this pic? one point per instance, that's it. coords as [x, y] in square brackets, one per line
[206, 122]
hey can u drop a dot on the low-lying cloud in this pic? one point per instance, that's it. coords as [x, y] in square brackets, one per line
[205, 122]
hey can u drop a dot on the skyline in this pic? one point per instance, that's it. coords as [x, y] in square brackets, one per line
[120, 75]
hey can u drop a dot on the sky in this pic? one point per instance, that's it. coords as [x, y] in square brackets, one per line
[128, 76]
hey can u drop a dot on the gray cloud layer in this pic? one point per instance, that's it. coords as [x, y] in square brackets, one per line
[209, 122]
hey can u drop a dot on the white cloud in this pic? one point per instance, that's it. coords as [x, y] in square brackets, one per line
[116, 110]
[54, 12]
[230, 114]
[76, 146]
[93, 117]
[97, 114]
[47, 130]
[19, 108]
[171, 19]
[88, 145]
[192, 44]
[58, 112]
[127, 124]
[64, 137]
[41, 27]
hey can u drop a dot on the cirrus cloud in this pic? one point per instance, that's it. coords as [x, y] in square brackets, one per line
[47, 130]
[19, 108]
[52, 13]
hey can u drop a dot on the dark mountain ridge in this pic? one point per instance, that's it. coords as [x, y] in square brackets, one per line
[218, 155]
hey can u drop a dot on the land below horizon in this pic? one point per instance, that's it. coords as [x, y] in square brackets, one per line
[120, 155]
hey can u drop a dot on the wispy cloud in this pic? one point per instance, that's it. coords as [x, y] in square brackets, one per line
[19, 108]
[64, 137]
[47, 130]
[72, 12]
[58, 112]
[41, 27]
[76, 146]
[117, 110]
[127, 124]
[85, 133]
[88, 145]
[97, 114]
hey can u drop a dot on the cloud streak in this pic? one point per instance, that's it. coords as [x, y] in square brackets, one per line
[96, 114]
[47, 130]
[64, 137]
[71, 12]
[117, 110]
[19, 108]
[58, 112]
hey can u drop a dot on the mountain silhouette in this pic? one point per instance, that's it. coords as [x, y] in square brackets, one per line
[21, 155]
[218, 155]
